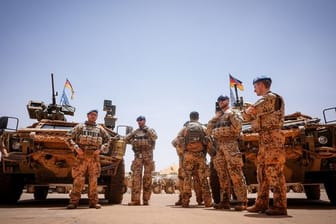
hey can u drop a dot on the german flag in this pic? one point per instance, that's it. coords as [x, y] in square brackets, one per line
[236, 82]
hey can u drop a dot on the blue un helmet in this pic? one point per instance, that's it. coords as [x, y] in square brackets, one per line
[222, 98]
[262, 78]
[92, 111]
[141, 118]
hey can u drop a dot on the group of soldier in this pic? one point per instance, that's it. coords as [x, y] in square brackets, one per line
[194, 141]
[219, 139]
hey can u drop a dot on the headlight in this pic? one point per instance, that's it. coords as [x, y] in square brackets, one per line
[323, 140]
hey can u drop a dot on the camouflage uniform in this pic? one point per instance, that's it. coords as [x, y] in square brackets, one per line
[271, 155]
[228, 159]
[194, 164]
[143, 142]
[196, 180]
[89, 138]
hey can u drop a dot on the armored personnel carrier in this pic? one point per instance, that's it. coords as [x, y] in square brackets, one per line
[38, 158]
[310, 154]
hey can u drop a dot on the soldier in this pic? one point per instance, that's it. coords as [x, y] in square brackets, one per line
[143, 143]
[267, 116]
[178, 143]
[225, 128]
[87, 140]
[194, 159]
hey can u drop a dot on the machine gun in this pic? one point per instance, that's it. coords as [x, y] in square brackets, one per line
[38, 110]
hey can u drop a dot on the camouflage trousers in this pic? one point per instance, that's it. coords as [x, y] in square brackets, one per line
[142, 163]
[270, 169]
[195, 163]
[228, 164]
[87, 165]
[195, 181]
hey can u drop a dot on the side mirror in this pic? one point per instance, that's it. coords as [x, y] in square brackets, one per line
[8, 123]
[329, 115]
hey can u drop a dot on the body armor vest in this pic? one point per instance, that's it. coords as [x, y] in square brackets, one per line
[90, 136]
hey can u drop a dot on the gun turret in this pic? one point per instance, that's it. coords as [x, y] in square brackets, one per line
[38, 110]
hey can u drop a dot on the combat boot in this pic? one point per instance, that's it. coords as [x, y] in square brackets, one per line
[276, 211]
[185, 205]
[71, 206]
[179, 202]
[208, 202]
[240, 206]
[134, 203]
[199, 201]
[222, 205]
[255, 209]
[96, 206]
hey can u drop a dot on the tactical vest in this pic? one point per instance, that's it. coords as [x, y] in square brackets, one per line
[194, 136]
[222, 128]
[272, 118]
[90, 136]
[141, 139]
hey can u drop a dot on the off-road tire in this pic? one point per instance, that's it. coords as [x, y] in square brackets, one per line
[116, 186]
[11, 187]
[313, 192]
[157, 189]
[41, 192]
[169, 189]
[330, 187]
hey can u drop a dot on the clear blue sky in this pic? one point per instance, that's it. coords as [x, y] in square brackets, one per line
[164, 59]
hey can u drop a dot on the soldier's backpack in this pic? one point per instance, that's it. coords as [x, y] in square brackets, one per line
[194, 136]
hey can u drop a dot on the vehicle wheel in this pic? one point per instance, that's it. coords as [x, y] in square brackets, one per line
[169, 189]
[10, 188]
[41, 192]
[157, 189]
[330, 186]
[214, 184]
[313, 192]
[116, 186]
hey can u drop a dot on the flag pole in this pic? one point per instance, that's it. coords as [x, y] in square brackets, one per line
[236, 92]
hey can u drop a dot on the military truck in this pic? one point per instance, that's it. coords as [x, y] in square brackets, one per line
[37, 157]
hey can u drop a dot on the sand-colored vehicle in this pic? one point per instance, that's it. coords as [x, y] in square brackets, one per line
[38, 158]
[310, 155]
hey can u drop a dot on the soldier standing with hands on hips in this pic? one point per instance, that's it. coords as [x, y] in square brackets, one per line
[267, 116]
[87, 140]
[143, 143]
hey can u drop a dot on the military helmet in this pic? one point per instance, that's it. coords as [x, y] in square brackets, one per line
[262, 78]
[92, 111]
[222, 98]
[141, 118]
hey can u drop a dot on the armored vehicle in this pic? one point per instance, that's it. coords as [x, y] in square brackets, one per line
[38, 158]
[310, 154]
